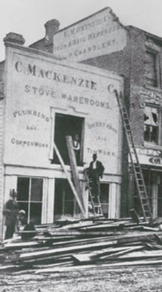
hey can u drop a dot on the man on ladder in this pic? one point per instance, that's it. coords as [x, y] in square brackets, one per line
[94, 173]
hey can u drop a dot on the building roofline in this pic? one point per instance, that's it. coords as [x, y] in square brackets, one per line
[89, 16]
[149, 34]
[83, 19]
[41, 40]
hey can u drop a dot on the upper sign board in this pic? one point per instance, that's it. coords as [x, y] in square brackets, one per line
[97, 35]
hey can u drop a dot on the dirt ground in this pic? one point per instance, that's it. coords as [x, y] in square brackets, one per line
[134, 279]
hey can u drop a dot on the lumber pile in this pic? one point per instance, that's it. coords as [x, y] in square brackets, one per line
[84, 244]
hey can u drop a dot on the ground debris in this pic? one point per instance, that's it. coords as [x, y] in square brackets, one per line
[81, 244]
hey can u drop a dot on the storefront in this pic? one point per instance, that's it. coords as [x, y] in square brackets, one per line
[151, 163]
[46, 100]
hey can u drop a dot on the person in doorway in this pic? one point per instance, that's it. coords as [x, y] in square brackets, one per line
[11, 210]
[95, 172]
[76, 147]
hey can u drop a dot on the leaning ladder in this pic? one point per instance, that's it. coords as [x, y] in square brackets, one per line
[96, 206]
[142, 192]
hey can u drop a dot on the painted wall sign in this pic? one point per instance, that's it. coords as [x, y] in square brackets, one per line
[39, 86]
[149, 152]
[151, 97]
[94, 36]
[150, 156]
[155, 160]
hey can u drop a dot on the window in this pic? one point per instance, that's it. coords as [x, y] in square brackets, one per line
[29, 198]
[151, 68]
[66, 125]
[151, 125]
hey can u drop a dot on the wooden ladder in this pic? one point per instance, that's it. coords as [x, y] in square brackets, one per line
[96, 206]
[142, 192]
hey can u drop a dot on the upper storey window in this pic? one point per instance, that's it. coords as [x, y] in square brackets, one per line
[152, 68]
[151, 125]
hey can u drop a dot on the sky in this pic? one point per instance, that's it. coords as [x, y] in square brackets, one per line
[27, 17]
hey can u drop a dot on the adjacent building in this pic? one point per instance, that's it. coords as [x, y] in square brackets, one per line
[102, 41]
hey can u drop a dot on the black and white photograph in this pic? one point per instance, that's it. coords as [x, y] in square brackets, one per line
[80, 146]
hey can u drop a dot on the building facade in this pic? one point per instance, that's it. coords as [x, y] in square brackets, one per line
[61, 86]
[43, 100]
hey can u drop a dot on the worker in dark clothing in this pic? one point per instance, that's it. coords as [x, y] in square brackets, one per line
[27, 229]
[30, 231]
[95, 172]
[11, 213]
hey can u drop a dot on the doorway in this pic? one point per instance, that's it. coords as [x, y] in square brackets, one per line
[105, 198]
[65, 203]
[66, 125]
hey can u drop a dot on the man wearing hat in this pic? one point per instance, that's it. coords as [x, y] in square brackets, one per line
[95, 172]
[11, 213]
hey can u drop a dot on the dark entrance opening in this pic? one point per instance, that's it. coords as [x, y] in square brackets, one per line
[105, 198]
[65, 202]
[66, 125]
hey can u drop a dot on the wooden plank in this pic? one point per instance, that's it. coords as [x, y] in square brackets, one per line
[64, 269]
[94, 266]
[66, 249]
[21, 244]
[136, 263]
[69, 179]
[48, 259]
[73, 164]
[118, 255]
[100, 255]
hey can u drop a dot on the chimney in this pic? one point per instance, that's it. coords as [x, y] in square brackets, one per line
[51, 27]
[15, 38]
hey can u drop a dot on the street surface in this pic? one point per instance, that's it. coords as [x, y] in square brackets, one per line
[134, 279]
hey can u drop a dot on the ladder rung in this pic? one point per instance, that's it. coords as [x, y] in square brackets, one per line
[148, 209]
[97, 206]
[144, 199]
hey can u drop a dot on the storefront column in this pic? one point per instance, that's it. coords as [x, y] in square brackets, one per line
[10, 183]
[154, 200]
[85, 198]
[114, 200]
[48, 201]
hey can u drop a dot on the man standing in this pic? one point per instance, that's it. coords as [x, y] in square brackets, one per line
[11, 213]
[95, 172]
